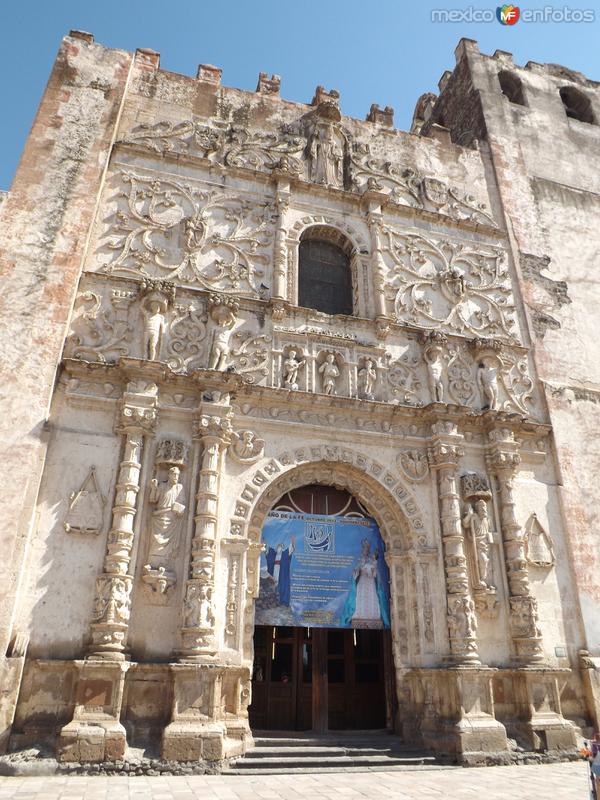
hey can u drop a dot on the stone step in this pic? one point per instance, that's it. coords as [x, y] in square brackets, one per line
[327, 761]
[303, 770]
[296, 752]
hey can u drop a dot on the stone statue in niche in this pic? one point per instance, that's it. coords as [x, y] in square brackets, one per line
[168, 499]
[326, 155]
[538, 544]
[246, 447]
[223, 313]
[476, 522]
[487, 382]
[330, 373]
[434, 360]
[367, 377]
[156, 297]
[291, 367]
[86, 507]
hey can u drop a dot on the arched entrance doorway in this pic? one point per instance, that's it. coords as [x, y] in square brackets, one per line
[322, 644]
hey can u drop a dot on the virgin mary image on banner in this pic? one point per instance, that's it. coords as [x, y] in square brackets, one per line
[367, 603]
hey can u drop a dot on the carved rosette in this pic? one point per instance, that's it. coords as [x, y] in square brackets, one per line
[444, 454]
[198, 632]
[137, 417]
[503, 459]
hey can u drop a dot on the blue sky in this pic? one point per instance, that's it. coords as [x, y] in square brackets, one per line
[375, 51]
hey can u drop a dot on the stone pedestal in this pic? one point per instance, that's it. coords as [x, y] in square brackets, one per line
[454, 712]
[199, 727]
[95, 733]
[541, 722]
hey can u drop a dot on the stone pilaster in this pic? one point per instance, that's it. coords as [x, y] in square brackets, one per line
[280, 259]
[137, 417]
[444, 453]
[503, 459]
[374, 203]
[213, 428]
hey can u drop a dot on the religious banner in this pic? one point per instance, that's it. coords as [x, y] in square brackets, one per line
[323, 572]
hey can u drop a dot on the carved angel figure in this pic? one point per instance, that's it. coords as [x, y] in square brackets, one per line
[476, 521]
[487, 381]
[154, 327]
[330, 373]
[291, 366]
[168, 500]
[435, 373]
[246, 447]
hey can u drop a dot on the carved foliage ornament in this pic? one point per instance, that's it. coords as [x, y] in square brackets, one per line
[448, 285]
[413, 465]
[321, 151]
[175, 231]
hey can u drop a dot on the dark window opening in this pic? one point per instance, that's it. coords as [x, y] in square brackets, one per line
[577, 105]
[512, 88]
[324, 277]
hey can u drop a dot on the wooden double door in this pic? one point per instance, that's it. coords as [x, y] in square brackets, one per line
[320, 679]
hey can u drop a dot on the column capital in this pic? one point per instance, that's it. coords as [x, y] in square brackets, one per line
[214, 424]
[137, 411]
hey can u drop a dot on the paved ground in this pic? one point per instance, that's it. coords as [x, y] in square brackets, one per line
[550, 782]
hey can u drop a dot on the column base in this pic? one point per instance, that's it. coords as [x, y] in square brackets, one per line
[541, 723]
[95, 733]
[87, 741]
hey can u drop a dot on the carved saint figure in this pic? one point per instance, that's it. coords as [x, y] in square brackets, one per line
[476, 521]
[326, 156]
[154, 328]
[435, 373]
[487, 381]
[166, 517]
[291, 365]
[367, 377]
[330, 373]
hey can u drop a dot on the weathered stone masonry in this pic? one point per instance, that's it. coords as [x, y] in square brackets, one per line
[162, 389]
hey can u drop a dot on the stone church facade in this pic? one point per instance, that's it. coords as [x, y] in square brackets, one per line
[171, 370]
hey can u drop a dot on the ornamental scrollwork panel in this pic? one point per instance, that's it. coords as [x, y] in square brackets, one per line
[175, 231]
[317, 149]
[448, 286]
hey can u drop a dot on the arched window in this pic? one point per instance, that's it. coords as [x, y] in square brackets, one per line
[577, 105]
[324, 272]
[511, 87]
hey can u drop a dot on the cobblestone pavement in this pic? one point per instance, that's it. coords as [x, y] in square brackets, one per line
[550, 782]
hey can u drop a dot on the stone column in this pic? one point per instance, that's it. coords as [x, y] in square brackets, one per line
[136, 419]
[374, 201]
[95, 733]
[280, 272]
[503, 459]
[213, 428]
[444, 453]
[198, 728]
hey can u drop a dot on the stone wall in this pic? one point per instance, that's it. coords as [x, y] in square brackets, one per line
[193, 392]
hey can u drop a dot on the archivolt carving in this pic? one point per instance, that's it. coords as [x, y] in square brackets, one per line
[449, 286]
[176, 231]
[380, 491]
[358, 242]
